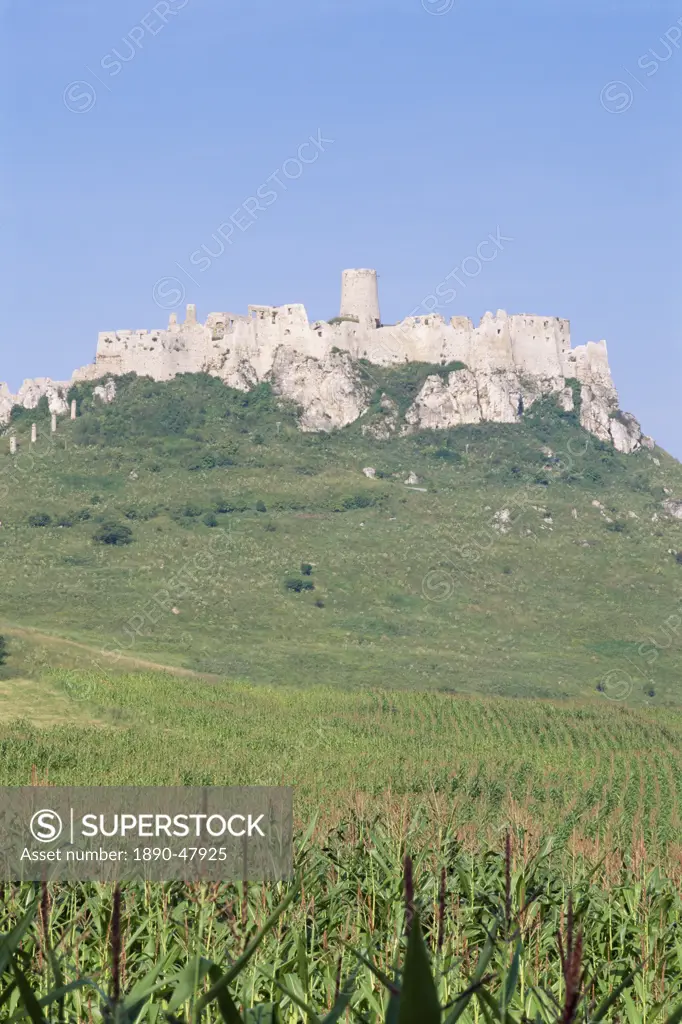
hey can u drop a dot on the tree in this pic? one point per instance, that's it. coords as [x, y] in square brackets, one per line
[113, 533]
[3, 650]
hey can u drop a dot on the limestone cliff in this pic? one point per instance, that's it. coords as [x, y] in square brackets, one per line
[510, 360]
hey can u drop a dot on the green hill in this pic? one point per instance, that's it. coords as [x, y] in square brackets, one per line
[193, 525]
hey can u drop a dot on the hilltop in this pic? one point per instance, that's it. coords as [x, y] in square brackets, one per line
[193, 524]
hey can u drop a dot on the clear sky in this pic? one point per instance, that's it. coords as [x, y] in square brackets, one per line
[134, 130]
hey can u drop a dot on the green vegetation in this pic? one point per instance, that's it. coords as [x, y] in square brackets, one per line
[597, 776]
[361, 641]
[402, 382]
[113, 533]
[3, 650]
[366, 929]
[422, 589]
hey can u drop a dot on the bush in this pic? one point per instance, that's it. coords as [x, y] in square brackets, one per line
[210, 519]
[83, 515]
[40, 519]
[260, 506]
[3, 650]
[115, 534]
[357, 501]
[618, 526]
[222, 505]
[678, 557]
[306, 568]
[297, 585]
[65, 521]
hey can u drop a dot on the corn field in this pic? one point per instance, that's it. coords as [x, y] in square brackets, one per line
[377, 926]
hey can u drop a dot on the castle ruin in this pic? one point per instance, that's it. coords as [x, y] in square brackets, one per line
[508, 362]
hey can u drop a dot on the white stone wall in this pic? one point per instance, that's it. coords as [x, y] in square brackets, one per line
[510, 360]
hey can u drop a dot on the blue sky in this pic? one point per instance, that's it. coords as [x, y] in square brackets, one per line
[134, 130]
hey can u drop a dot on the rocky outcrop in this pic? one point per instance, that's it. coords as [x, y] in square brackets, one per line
[467, 397]
[329, 392]
[673, 506]
[30, 393]
[106, 392]
[600, 415]
[385, 422]
[503, 397]
[6, 403]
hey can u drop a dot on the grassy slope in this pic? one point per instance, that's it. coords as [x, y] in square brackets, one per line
[418, 589]
[602, 776]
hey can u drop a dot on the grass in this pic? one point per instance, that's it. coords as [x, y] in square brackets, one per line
[426, 589]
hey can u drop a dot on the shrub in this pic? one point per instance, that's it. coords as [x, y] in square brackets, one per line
[210, 519]
[446, 453]
[678, 557]
[306, 568]
[319, 603]
[115, 534]
[65, 521]
[3, 650]
[222, 505]
[357, 501]
[260, 506]
[39, 519]
[297, 585]
[617, 526]
[83, 515]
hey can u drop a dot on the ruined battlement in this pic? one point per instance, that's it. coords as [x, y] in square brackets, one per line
[510, 360]
[536, 345]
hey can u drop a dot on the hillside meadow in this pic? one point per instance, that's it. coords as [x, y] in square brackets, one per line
[529, 560]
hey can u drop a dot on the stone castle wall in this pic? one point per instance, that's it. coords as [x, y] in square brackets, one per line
[510, 359]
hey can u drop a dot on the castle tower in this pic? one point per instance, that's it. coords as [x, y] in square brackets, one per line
[191, 314]
[360, 296]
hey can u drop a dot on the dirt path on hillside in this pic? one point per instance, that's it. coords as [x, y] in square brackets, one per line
[57, 641]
